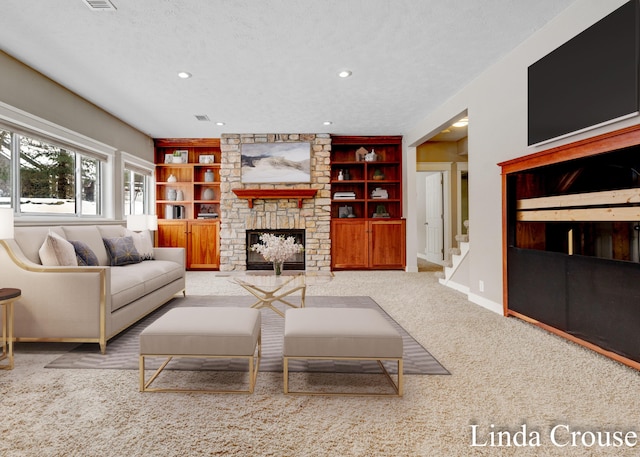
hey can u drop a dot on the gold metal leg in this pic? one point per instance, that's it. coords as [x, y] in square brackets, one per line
[254, 366]
[7, 334]
[398, 389]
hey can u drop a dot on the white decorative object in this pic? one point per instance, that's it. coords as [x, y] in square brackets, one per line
[208, 194]
[172, 194]
[371, 157]
[208, 176]
[277, 249]
[172, 178]
[179, 195]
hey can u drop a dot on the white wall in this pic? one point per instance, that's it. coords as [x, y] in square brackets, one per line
[24, 88]
[497, 108]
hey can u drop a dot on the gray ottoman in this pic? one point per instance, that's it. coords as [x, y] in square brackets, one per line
[341, 334]
[202, 332]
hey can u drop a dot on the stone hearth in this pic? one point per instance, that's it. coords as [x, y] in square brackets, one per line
[314, 214]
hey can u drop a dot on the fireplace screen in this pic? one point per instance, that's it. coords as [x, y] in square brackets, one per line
[255, 261]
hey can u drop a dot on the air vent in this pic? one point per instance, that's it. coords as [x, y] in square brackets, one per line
[202, 117]
[100, 5]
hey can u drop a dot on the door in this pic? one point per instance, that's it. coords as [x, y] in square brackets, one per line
[388, 247]
[434, 222]
[203, 250]
[349, 244]
[172, 234]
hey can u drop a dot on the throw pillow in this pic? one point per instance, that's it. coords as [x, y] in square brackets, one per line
[57, 252]
[84, 254]
[121, 251]
[142, 242]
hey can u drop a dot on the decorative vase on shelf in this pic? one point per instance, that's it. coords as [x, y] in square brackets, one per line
[179, 195]
[208, 176]
[207, 194]
[277, 267]
[172, 178]
[172, 194]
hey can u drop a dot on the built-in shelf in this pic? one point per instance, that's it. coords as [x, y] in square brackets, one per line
[273, 194]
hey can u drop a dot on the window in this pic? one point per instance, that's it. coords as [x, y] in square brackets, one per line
[136, 185]
[49, 178]
[5, 168]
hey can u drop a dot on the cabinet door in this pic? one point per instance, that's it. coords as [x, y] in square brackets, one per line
[387, 240]
[349, 244]
[172, 233]
[204, 252]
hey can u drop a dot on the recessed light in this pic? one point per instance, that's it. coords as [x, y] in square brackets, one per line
[344, 74]
[184, 75]
[461, 123]
[327, 122]
[220, 123]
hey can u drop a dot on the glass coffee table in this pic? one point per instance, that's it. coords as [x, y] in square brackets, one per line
[269, 288]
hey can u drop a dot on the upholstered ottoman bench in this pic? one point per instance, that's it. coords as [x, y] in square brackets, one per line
[202, 332]
[341, 334]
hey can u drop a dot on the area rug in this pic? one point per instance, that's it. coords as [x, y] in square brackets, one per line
[122, 351]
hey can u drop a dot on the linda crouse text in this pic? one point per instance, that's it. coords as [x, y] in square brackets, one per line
[560, 435]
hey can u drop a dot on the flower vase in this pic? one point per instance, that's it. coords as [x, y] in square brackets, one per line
[277, 267]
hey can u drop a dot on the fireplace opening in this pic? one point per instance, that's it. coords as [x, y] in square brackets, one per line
[255, 261]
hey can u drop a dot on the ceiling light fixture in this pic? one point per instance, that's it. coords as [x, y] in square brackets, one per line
[327, 122]
[344, 74]
[220, 123]
[461, 123]
[184, 75]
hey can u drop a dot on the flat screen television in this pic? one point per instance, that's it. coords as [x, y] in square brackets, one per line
[590, 80]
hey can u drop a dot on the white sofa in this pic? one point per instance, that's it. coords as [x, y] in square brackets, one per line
[84, 303]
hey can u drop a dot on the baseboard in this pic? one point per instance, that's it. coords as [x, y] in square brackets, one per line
[455, 286]
[473, 298]
[485, 303]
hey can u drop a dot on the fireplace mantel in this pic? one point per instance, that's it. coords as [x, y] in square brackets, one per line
[272, 194]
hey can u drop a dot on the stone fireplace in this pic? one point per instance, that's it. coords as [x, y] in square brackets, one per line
[311, 215]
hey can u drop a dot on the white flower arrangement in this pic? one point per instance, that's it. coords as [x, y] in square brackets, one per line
[277, 248]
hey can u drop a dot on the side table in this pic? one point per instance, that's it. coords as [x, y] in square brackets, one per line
[7, 298]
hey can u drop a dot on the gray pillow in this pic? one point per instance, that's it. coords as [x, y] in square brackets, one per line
[84, 254]
[121, 251]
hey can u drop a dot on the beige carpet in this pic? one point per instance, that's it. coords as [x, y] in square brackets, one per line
[504, 372]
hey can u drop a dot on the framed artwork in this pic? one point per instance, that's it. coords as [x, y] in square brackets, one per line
[207, 159]
[276, 162]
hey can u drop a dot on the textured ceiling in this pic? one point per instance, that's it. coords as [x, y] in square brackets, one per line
[269, 65]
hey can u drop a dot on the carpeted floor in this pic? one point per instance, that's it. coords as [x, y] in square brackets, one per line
[505, 375]
[122, 351]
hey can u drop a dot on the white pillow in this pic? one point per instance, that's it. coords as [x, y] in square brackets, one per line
[57, 252]
[142, 242]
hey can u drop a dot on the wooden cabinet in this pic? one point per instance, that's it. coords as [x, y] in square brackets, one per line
[365, 244]
[571, 242]
[188, 198]
[367, 229]
[199, 238]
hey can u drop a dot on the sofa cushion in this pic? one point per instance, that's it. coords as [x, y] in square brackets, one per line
[130, 282]
[111, 231]
[127, 285]
[91, 236]
[57, 252]
[86, 257]
[30, 240]
[122, 251]
[142, 242]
